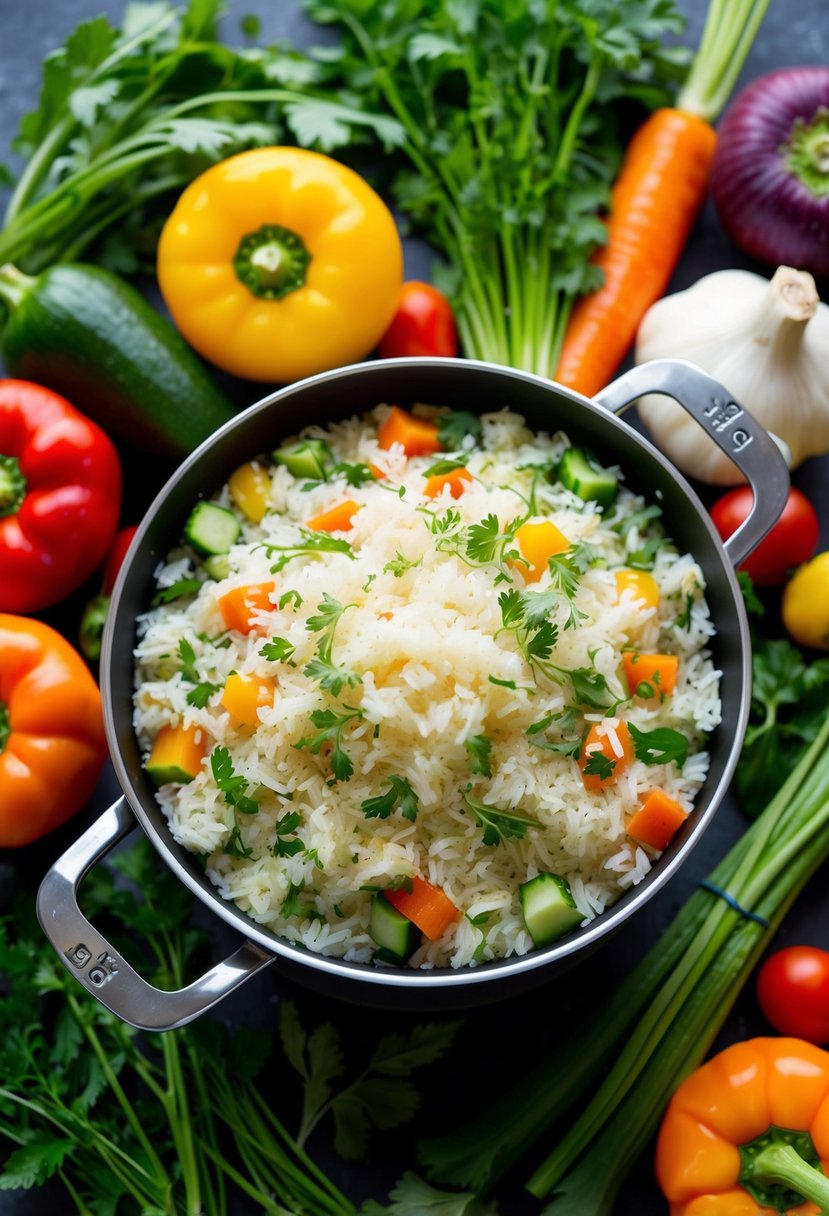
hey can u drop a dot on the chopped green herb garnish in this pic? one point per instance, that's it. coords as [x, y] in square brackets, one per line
[448, 465]
[290, 597]
[499, 823]
[599, 765]
[399, 564]
[503, 683]
[330, 676]
[446, 524]
[454, 427]
[277, 650]
[330, 725]
[231, 784]
[203, 690]
[176, 590]
[591, 688]
[312, 543]
[399, 791]
[486, 543]
[479, 748]
[659, 746]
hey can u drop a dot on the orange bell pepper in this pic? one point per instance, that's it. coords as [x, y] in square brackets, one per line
[599, 744]
[52, 744]
[657, 821]
[425, 906]
[747, 1134]
[240, 605]
[416, 436]
[458, 481]
[338, 518]
[650, 675]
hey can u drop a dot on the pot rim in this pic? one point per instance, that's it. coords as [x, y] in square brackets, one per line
[577, 943]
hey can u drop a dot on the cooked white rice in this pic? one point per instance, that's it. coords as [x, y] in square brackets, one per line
[425, 642]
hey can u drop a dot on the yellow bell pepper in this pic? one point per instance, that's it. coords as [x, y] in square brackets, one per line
[280, 262]
[805, 605]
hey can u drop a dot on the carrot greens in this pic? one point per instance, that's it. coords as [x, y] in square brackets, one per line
[509, 142]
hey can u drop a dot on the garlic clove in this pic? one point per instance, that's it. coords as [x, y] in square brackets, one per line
[767, 342]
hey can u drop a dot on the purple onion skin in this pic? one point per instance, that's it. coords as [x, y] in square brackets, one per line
[765, 209]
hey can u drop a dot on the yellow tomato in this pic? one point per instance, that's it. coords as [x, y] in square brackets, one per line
[805, 605]
[278, 263]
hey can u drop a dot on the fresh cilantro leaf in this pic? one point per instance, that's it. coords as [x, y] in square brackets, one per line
[446, 524]
[512, 607]
[591, 688]
[562, 747]
[312, 543]
[486, 542]
[382, 805]
[754, 605]
[540, 725]
[537, 607]
[599, 765]
[188, 661]
[540, 644]
[292, 905]
[231, 783]
[277, 650]
[330, 724]
[503, 683]
[479, 748]
[286, 826]
[446, 465]
[499, 823]
[235, 846]
[399, 564]
[331, 676]
[414, 1197]
[35, 1162]
[201, 694]
[290, 597]
[354, 474]
[659, 746]
[454, 427]
[323, 669]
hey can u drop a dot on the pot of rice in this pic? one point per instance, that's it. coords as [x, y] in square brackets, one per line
[423, 674]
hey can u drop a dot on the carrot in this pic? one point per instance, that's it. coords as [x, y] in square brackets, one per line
[243, 697]
[336, 519]
[458, 481]
[657, 821]
[538, 543]
[239, 605]
[643, 585]
[650, 675]
[176, 754]
[599, 741]
[655, 200]
[416, 436]
[425, 906]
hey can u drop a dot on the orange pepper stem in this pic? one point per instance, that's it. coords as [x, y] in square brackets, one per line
[12, 485]
[5, 725]
[778, 1177]
[271, 262]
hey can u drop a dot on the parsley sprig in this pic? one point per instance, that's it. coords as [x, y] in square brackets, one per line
[330, 675]
[499, 823]
[399, 793]
[330, 724]
[202, 690]
[311, 544]
[659, 746]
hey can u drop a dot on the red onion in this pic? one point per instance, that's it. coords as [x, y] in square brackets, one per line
[770, 176]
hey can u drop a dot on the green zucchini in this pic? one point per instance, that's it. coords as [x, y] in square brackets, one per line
[88, 335]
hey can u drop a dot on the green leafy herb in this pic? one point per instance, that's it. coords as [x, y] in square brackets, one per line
[311, 544]
[487, 544]
[177, 590]
[599, 765]
[447, 524]
[355, 474]
[203, 690]
[330, 724]
[454, 427]
[290, 597]
[447, 465]
[286, 826]
[479, 748]
[591, 688]
[277, 650]
[380, 1095]
[503, 683]
[399, 792]
[411, 1196]
[399, 564]
[754, 605]
[129, 116]
[231, 784]
[323, 669]
[499, 823]
[659, 746]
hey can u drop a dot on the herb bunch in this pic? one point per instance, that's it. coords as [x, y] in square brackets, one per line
[510, 146]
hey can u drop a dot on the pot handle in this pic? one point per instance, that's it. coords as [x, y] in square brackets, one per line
[730, 426]
[91, 959]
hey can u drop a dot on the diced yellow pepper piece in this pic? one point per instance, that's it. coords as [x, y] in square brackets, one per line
[538, 543]
[176, 755]
[249, 486]
[244, 696]
[643, 585]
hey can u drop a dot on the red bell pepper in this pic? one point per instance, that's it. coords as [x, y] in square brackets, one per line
[60, 497]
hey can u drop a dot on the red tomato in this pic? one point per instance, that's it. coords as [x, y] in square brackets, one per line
[793, 990]
[422, 325]
[792, 540]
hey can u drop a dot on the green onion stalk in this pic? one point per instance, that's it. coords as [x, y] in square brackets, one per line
[660, 1023]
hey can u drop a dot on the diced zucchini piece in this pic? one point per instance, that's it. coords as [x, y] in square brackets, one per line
[549, 908]
[217, 566]
[580, 472]
[211, 529]
[308, 459]
[392, 931]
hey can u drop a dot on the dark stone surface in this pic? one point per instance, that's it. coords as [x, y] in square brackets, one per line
[499, 1042]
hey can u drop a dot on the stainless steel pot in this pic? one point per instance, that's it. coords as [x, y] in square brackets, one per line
[465, 385]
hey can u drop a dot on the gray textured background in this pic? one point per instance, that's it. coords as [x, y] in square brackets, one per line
[501, 1042]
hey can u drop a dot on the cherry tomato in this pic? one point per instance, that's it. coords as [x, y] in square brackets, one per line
[422, 325]
[792, 540]
[793, 991]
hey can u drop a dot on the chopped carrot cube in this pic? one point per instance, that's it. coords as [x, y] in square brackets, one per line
[335, 519]
[176, 754]
[538, 543]
[643, 585]
[377, 472]
[458, 482]
[655, 671]
[417, 436]
[249, 486]
[657, 821]
[240, 605]
[244, 696]
[600, 742]
[425, 906]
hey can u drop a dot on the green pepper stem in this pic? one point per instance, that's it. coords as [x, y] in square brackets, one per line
[781, 1164]
[12, 485]
[271, 262]
[13, 284]
[5, 726]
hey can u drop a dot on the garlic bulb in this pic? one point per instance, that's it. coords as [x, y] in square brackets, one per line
[766, 342]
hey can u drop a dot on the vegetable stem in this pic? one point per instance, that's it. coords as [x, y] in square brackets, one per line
[730, 29]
